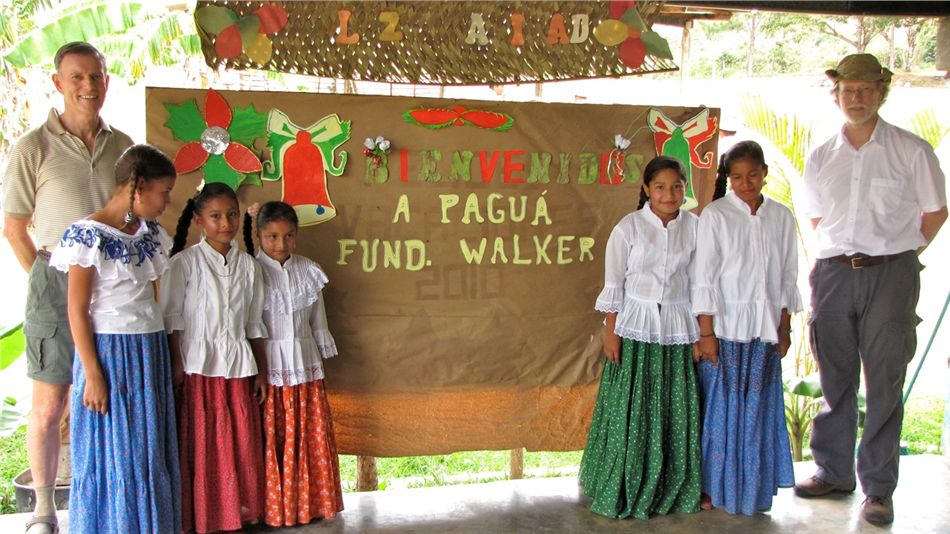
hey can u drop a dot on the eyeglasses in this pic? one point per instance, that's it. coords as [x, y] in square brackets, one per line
[863, 92]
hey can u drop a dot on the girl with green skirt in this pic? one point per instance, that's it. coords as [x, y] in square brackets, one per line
[643, 450]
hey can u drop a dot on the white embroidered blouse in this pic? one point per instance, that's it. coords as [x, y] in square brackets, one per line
[647, 278]
[217, 303]
[296, 318]
[746, 268]
[123, 297]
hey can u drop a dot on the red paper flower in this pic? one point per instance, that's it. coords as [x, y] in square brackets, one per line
[216, 141]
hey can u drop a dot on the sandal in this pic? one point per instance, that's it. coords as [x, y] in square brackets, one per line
[50, 520]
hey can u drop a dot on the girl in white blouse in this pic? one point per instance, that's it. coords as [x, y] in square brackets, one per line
[642, 454]
[744, 289]
[122, 418]
[301, 464]
[213, 299]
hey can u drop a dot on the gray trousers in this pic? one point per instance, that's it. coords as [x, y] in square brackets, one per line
[862, 316]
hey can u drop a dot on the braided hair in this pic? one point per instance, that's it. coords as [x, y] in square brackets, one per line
[140, 164]
[743, 150]
[272, 211]
[656, 165]
[196, 204]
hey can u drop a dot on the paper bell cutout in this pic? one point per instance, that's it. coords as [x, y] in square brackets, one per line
[681, 141]
[303, 157]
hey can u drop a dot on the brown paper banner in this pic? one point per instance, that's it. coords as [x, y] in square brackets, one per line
[439, 351]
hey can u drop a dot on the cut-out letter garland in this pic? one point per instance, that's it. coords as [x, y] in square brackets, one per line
[217, 141]
[681, 141]
[459, 116]
[303, 157]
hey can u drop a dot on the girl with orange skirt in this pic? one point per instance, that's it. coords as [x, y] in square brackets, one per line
[300, 459]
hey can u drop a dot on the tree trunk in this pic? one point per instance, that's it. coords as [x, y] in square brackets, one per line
[366, 477]
[753, 23]
[891, 48]
[516, 464]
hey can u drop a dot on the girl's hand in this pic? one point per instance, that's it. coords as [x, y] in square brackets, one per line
[260, 388]
[96, 394]
[709, 348]
[612, 346]
[784, 342]
[696, 354]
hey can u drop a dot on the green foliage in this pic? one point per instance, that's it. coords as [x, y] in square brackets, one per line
[132, 35]
[459, 467]
[75, 23]
[11, 417]
[925, 124]
[13, 461]
[12, 345]
[788, 133]
[923, 418]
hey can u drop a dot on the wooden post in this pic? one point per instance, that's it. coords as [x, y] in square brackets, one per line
[684, 51]
[516, 464]
[366, 477]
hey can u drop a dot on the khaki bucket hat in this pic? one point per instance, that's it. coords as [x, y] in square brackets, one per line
[864, 67]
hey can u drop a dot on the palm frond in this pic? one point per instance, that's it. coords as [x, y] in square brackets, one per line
[925, 124]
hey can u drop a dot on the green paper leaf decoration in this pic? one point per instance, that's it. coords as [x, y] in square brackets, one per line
[248, 27]
[214, 19]
[185, 121]
[633, 20]
[656, 45]
[252, 179]
[247, 125]
[218, 170]
[275, 141]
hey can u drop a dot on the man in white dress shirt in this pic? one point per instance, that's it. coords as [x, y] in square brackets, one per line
[876, 197]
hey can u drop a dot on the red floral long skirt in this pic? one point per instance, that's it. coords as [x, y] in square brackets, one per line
[303, 471]
[222, 468]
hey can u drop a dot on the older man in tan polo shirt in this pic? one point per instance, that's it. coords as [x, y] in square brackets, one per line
[58, 173]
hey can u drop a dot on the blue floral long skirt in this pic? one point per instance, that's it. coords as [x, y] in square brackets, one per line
[125, 462]
[746, 451]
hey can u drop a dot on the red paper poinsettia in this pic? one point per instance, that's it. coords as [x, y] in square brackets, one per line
[216, 140]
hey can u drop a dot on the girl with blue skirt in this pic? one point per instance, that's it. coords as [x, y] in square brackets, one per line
[744, 291]
[125, 475]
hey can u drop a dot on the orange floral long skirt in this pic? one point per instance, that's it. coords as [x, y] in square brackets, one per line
[300, 460]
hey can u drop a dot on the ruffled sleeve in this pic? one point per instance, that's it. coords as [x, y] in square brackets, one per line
[142, 257]
[318, 319]
[254, 326]
[307, 282]
[791, 299]
[321, 331]
[611, 296]
[706, 296]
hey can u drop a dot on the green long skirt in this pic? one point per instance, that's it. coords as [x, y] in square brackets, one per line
[643, 450]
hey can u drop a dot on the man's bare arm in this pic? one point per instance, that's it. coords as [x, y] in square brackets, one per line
[15, 231]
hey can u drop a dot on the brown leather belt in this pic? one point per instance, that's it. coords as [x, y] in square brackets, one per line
[860, 261]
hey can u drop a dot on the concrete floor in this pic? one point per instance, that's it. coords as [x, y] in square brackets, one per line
[922, 505]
